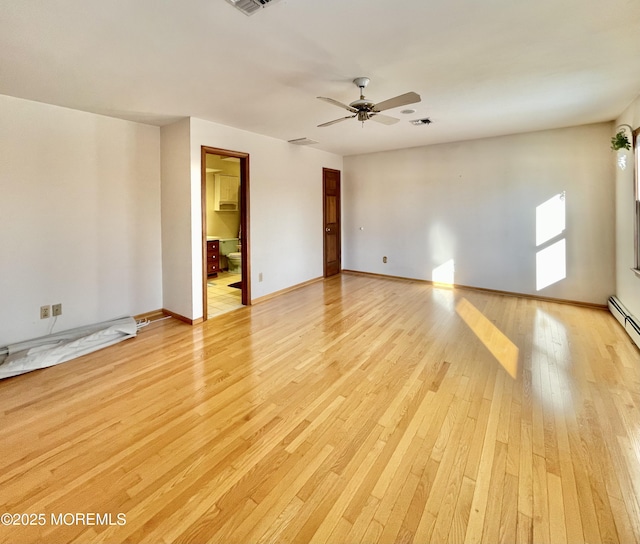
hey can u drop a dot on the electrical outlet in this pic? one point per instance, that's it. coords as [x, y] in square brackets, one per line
[56, 309]
[384, 259]
[259, 276]
[45, 312]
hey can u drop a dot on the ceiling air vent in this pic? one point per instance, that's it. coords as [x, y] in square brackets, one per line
[302, 141]
[249, 7]
[419, 122]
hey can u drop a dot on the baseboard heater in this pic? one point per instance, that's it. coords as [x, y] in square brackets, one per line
[57, 348]
[628, 321]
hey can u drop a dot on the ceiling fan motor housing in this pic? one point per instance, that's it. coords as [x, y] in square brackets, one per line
[363, 104]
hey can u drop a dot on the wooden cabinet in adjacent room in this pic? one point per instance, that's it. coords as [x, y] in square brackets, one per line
[226, 191]
[213, 257]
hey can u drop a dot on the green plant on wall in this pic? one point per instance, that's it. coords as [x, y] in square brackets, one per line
[620, 141]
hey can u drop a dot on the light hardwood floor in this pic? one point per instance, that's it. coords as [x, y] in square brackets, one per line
[355, 409]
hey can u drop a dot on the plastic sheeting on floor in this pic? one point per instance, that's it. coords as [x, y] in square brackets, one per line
[57, 348]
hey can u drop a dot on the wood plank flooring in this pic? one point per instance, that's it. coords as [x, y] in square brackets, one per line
[356, 409]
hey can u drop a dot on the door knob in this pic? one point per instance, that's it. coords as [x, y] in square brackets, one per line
[328, 229]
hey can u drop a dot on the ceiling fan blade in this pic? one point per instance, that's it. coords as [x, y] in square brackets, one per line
[402, 100]
[339, 104]
[336, 121]
[384, 119]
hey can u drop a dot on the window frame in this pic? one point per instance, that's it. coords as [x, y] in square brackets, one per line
[636, 183]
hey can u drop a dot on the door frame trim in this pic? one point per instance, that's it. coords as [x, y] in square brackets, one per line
[244, 220]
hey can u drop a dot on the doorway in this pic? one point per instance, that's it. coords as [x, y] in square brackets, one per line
[226, 252]
[331, 221]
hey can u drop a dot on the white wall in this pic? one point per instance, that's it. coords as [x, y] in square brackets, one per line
[177, 288]
[475, 202]
[80, 218]
[628, 284]
[285, 206]
[285, 211]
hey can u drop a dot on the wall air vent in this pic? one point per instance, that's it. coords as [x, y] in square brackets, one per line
[249, 7]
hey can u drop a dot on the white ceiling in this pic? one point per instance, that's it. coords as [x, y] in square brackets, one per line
[483, 68]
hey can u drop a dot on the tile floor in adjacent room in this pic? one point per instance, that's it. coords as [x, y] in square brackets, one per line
[220, 297]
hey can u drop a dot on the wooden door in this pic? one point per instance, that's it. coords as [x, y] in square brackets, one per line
[331, 210]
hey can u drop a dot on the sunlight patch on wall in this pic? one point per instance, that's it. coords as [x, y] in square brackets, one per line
[550, 219]
[551, 265]
[443, 275]
[551, 260]
[503, 349]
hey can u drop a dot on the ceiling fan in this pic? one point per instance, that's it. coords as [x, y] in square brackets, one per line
[364, 109]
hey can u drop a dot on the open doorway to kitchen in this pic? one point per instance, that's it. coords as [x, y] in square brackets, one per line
[225, 231]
